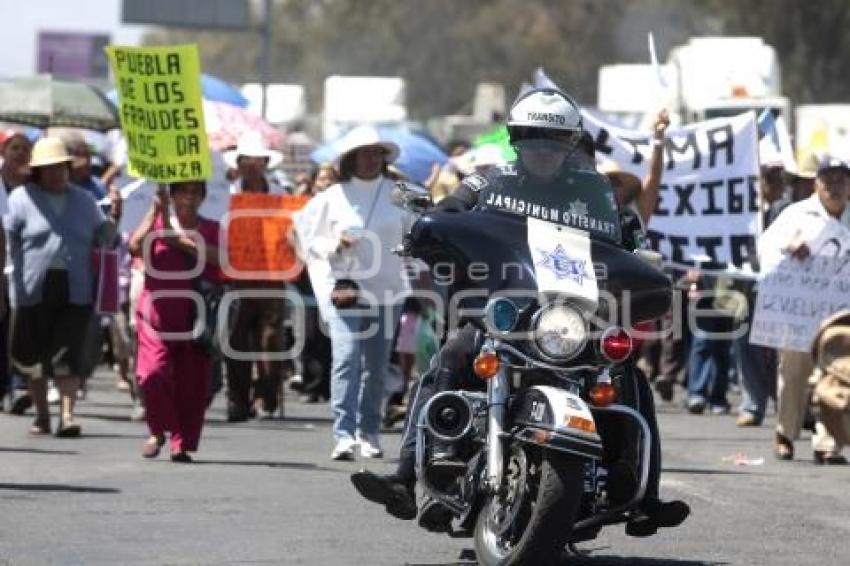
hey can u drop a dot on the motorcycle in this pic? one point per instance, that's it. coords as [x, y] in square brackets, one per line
[554, 449]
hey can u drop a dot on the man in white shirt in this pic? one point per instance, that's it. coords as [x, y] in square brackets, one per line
[259, 324]
[798, 231]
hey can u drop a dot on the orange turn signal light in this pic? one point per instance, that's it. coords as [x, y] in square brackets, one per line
[603, 394]
[486, 365]
[582, 424]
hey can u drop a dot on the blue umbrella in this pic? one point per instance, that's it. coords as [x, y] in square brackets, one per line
[212, 88]
[418, 153]
[217, 90]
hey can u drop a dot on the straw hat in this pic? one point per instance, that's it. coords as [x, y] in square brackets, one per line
[365, 136]
[831, 353]
[251, 144]
[831, 346]
[807, 167]
[49, 151]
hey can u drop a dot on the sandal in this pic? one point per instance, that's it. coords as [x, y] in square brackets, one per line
[665, 389]
[68, 428]
[40, 426]
[746, 418]
[829, 458]
[152, 446]
[181, 458]
[783, 448]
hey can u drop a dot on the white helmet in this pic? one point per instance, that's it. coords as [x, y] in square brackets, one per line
[545, 113]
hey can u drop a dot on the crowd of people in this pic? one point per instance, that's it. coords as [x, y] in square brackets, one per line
[716, 357]
[58, 211]
[59, 207]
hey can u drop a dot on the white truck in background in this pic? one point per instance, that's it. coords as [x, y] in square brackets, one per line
[629, 94]
[286, 104]
[489, 107]
[705, 78]
[822, 128]
[724, 76]
[352, 101]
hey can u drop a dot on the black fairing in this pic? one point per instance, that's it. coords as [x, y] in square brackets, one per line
[456, 240]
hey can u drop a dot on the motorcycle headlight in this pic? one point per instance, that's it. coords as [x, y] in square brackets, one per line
[560, 332]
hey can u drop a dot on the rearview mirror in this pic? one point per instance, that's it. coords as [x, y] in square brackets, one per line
[411, 197]
[651, 257]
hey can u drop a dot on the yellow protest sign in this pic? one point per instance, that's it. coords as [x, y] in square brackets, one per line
[162, 118]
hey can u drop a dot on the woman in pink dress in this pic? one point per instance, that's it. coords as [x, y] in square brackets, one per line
[172, 371]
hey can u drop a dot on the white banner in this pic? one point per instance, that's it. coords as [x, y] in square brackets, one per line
[709, 195]
[796, 296]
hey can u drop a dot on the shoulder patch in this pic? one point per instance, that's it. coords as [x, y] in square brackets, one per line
[476, 182]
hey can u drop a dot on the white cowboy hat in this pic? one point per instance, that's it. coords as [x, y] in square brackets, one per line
[49, 151]
[365, 136]
[251, 144]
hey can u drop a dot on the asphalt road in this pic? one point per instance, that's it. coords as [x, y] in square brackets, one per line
[267, 493]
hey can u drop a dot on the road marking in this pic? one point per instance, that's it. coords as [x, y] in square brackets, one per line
[689, 489]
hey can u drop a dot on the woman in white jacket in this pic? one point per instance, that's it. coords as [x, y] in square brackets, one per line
[345, 234]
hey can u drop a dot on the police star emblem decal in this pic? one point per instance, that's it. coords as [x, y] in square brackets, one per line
[578, 208]
[563, 266]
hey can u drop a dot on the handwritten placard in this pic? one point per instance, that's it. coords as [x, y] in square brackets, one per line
[796, 296]
[162, 119]
[708, 200]
[258, 242]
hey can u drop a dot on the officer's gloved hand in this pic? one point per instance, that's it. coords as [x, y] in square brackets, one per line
[451, 204]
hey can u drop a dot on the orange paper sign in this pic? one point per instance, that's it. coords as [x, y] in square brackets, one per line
[258, 243]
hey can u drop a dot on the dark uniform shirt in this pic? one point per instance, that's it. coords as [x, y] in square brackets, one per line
[579, 198]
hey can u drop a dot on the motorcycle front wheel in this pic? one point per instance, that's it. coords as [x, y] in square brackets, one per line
[530, 522]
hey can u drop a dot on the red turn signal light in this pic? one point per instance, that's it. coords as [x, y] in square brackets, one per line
[616, 344]
[487, 365]
[603, 394]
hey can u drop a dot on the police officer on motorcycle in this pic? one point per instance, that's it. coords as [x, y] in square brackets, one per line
[545, 129]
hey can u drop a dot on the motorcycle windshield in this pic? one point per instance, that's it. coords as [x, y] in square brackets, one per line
[508, 245]
[580, 199]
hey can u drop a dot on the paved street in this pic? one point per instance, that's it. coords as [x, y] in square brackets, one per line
[266, 493]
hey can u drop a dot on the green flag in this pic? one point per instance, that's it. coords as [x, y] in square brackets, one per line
[498, 137]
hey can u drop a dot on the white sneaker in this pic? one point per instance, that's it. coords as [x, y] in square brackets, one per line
[344, 449]
[370, 446]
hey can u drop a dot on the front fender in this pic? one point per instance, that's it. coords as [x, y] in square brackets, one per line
[556, 419]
